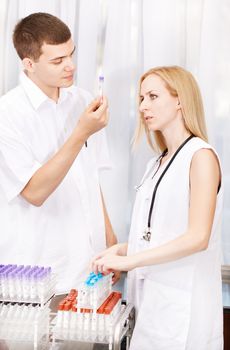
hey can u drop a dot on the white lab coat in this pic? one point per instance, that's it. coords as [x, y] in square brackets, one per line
[179, 304]
[68, 229]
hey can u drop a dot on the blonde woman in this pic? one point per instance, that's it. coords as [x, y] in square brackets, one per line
[173, 253]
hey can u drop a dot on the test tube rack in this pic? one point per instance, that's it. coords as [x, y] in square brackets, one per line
[80, 324]
[106, 323]
[94, 290]
[25, 293]
[26, 284]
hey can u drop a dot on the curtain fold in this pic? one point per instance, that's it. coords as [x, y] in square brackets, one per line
[122, 66]
[86, 43]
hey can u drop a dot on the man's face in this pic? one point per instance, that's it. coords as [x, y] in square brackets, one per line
[55, 67]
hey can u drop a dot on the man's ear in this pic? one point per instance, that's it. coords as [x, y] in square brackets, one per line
[28, 64]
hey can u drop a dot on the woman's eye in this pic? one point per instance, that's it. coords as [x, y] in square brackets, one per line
[153, 96]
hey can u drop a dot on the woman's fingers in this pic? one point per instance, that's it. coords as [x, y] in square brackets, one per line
[116, 277]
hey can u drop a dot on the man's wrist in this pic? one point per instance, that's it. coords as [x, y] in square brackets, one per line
[80, 135]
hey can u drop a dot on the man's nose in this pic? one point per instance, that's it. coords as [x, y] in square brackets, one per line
[70, 66]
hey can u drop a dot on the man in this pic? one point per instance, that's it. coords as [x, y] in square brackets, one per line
[52, 209]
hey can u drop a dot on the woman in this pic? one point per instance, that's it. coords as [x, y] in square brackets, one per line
[173, 253]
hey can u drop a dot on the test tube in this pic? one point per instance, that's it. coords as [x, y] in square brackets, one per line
[100, 87]
[79, 323]
[94, 321]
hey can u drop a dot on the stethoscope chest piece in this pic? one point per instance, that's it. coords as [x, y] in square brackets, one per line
[147, 234]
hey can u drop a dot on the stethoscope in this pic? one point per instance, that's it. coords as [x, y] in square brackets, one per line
[148, 231]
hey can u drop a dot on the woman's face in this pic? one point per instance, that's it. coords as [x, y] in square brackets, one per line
[159, 107]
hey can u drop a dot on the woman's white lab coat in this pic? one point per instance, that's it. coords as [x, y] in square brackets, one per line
[179, 304]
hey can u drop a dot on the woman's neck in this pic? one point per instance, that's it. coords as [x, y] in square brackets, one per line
[173, 144]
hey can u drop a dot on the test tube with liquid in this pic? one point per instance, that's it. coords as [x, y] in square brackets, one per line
[101, 87]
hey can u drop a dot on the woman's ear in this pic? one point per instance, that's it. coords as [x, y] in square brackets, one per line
[178, 105]
[28, 64]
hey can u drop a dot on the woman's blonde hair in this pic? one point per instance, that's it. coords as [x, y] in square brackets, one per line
[181, 83]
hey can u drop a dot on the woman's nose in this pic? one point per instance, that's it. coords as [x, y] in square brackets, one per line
[143, 106]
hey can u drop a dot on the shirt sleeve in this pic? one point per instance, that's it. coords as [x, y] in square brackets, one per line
[17, 163]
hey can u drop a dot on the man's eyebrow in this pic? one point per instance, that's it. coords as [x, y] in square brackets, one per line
[60, 57]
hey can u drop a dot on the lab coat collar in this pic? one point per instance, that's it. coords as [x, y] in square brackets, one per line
[36, 96]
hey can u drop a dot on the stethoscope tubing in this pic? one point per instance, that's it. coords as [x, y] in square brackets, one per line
[158, 183]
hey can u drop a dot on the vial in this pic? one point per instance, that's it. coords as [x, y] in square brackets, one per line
[100, 87]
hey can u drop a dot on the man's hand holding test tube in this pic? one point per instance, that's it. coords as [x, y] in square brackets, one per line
[95, 117]
[100, 88]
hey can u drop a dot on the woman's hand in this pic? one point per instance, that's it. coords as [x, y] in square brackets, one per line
[116, 276]
[115, 250]
[110, 262]
[111, 250]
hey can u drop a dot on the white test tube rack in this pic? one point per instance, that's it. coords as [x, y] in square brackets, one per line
[25, 293]
[88, 314]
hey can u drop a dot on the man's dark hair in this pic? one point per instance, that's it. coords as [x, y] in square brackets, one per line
[33, 31]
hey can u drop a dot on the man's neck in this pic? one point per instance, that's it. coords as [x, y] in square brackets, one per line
[51, 92]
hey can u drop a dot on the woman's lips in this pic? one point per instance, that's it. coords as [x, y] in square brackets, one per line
[148, 117]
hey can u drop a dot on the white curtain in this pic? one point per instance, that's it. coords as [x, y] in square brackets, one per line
[121, 39]
[194, 34]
